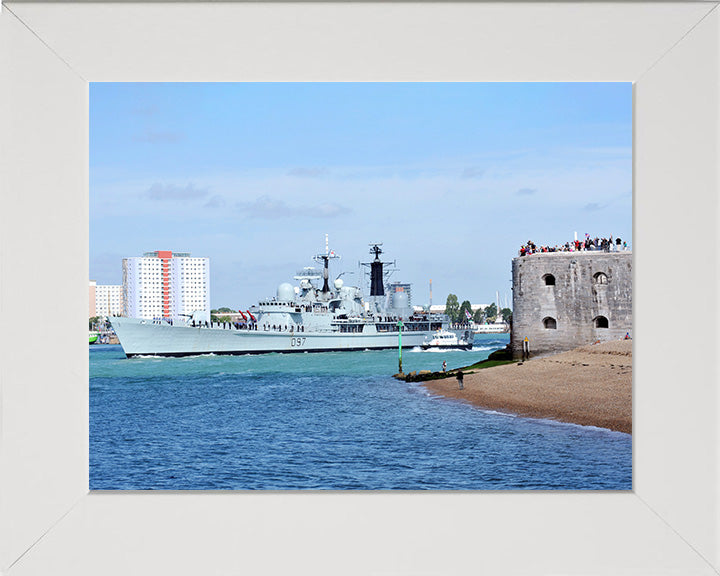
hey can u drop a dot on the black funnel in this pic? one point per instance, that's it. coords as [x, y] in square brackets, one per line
[326, 287]
[376, 279]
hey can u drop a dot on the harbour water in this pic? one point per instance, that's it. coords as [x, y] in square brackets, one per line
[335, 421]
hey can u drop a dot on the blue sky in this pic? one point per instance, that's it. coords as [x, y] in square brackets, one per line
[451, 177]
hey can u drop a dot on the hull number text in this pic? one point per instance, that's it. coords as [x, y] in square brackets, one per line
[299, 341]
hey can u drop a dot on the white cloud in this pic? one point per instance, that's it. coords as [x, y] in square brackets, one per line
[267, 207]
[473, 172]
[216, 201]
[159, 191]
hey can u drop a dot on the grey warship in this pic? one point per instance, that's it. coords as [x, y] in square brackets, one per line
[301, 318]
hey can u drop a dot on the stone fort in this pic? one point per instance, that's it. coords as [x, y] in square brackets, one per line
[562, 300]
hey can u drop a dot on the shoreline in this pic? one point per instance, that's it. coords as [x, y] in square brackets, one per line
[590, 386]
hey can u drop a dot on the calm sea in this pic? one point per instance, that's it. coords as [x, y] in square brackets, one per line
[335, 421]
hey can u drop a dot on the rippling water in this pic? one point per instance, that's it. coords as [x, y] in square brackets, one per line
[324, 421]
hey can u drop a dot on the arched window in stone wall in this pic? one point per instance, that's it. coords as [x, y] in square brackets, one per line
[549, 280]
[600, 278]
[601, 322]
[550, 323]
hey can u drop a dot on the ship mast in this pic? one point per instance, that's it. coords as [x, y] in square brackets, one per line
[378, 274]
[325, 259]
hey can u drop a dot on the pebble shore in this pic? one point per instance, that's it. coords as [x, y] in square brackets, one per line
[591, 385]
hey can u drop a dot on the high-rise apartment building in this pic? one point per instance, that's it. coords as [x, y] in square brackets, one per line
[105, 299]
[164, 284]
[108, 300]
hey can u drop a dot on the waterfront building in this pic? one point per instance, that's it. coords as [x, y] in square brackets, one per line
[91, 298]
[562, 300]
[108, 300]
[105, 299]
[165, 284]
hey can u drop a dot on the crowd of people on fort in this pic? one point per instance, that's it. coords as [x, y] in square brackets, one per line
[589, 244]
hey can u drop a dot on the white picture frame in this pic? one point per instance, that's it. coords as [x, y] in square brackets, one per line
[51, 524]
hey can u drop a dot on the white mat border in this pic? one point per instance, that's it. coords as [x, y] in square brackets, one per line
[685, 501]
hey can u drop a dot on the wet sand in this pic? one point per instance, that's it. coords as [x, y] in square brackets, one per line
[591, 385]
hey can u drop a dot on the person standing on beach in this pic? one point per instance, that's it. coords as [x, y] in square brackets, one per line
[444, 366]
[460, 379]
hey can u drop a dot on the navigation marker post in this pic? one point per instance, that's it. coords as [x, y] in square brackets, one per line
[400, 327]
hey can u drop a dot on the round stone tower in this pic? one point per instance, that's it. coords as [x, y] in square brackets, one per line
[562, 300]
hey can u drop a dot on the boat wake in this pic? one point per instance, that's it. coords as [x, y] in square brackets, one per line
[161, 357]
[446, 350]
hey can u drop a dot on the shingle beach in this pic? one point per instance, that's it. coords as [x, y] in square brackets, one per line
[591, 385]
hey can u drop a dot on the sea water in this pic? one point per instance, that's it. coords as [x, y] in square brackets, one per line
[325, 421]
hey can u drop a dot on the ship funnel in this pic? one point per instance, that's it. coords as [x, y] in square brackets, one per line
[376, 279]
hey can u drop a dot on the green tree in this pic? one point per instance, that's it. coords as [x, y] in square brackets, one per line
[452, 307]
[490, 312]
[93, 321]
[478, 317]
[506, 313]
[222, 310]
[461, 313]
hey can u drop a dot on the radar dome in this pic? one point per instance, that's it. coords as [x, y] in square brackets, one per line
[338, 283]
[285, 292]
[400, 300]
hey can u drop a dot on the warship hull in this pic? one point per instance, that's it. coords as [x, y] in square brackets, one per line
[143, 338]
[301, 318]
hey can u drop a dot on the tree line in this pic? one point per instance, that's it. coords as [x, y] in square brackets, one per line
[220, 314]
[456, 311]
[453, 308]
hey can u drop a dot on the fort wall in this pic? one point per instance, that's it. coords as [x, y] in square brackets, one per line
[562, 300]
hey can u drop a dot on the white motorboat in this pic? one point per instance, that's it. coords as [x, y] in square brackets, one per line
[447, 340]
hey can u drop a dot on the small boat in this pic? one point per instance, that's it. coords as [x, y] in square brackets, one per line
[93, 337]
[446, 340]
[497, 327]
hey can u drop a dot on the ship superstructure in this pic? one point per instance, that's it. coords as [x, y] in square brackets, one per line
[301, 318]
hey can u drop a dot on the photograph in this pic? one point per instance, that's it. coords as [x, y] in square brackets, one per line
[360, 286]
